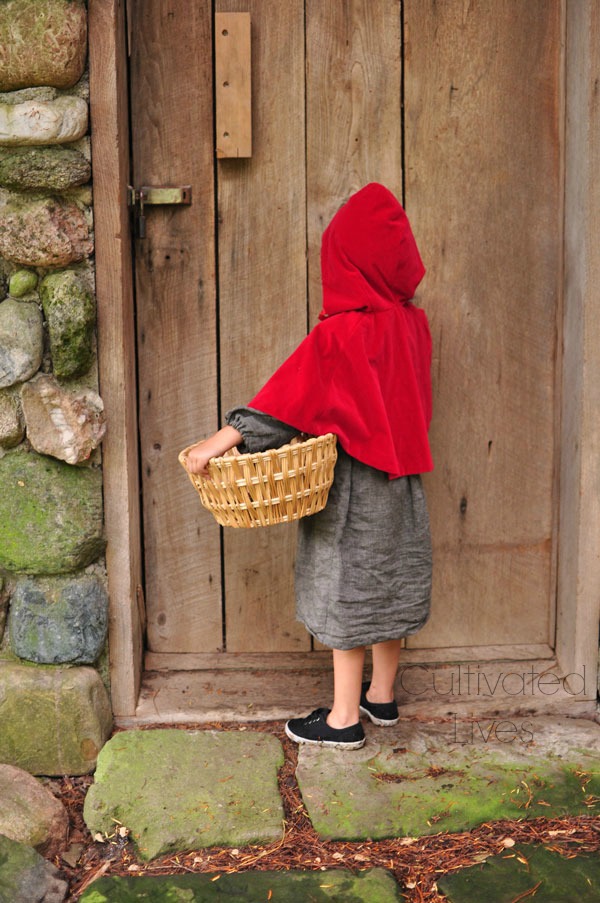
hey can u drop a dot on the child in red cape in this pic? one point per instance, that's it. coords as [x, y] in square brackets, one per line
[363, 568]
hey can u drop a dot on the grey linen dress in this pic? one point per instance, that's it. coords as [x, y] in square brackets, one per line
[363, 566]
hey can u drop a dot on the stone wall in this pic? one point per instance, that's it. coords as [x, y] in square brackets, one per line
[54, 706]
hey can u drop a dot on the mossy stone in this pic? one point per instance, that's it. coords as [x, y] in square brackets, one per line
[329, 886]
[180, 790]
[27, 876]
[44, 43]
[51, 514]
[54, 720]
[22, 283]
[527, 871]
[70, 310]
[59, 620]
[35, 168]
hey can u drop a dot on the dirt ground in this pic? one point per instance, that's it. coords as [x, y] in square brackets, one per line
[416, 863]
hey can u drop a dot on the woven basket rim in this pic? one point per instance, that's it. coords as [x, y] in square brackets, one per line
[268, 487]
[281, 450]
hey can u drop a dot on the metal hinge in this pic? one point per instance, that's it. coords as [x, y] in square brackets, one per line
[139, 198]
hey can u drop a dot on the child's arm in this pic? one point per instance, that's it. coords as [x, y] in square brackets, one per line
[199, 455]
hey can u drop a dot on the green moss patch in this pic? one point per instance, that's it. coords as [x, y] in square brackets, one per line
[418, 785]
[527, 872]
[371, 886]
[177, 790]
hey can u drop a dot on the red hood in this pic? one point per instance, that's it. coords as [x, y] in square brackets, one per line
[363, 371]
[369, 257]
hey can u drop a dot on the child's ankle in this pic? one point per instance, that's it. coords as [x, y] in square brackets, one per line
[380, 694]
[339, 720]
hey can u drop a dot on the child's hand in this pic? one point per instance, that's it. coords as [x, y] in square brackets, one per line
[200, 454]
[197, 458]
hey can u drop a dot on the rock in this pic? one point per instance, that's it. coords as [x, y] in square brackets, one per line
[67, 425]
[43, 121]
[180, 790]
[12, 427]
[5, 270]
[42, 231]
[30, 814]
[43, 43]
[70, 311]
[4, 595]
[335, 885]
[58, 620]
[27, 878]
[25, 94]
[21, 341]
[54, 720]
[22, 283]
[51, 514]
[35, 168]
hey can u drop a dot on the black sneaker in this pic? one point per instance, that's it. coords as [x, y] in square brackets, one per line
[385, 714]
[314, 730]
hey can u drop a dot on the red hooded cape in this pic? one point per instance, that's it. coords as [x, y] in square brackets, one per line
[363, 372]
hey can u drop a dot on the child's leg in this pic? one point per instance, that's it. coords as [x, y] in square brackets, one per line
[347, 678]
[386, 657]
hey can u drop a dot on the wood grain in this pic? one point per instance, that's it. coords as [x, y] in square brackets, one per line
[116, 346]
[262, 302]
[233, 85]
[354, 122]
[483, 190]
[176, 319]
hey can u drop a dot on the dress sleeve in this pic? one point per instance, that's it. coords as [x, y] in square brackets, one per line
[260, 431]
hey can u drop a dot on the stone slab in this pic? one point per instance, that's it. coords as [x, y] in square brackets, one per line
[177, 790]
[416, 779]
[527, 872]
[369, 886]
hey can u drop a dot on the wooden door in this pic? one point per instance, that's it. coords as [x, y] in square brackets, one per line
[457, 108]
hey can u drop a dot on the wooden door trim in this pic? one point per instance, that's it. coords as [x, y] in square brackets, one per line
[578, 602]
[116, 345]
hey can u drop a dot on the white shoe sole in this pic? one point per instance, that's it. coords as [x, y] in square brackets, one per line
[332, 744]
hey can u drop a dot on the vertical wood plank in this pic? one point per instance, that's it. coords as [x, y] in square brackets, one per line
[173, 145]
[116, 344]
[262, 268]
[354, 121]
[483, 190]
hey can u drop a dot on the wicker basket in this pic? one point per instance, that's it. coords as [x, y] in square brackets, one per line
[271, 487]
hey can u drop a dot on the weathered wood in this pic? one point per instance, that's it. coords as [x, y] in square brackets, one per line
[233, 95]
[353, 96]
[116, 346]
[173, 145]
[435, 691]
[302, 661]
[579, 571]
[262, 274]
[483, 155]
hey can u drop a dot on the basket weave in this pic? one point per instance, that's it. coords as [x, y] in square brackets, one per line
[271, 487]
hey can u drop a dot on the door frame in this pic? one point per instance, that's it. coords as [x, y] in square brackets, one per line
[578, 442]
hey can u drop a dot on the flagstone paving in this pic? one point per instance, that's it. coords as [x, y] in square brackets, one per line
[526, 872]
[178, 790]
[418, 779]
[370, 886]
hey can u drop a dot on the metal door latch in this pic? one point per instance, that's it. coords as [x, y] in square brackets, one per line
[139, 198]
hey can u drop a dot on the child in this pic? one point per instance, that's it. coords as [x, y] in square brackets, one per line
[363, 569]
